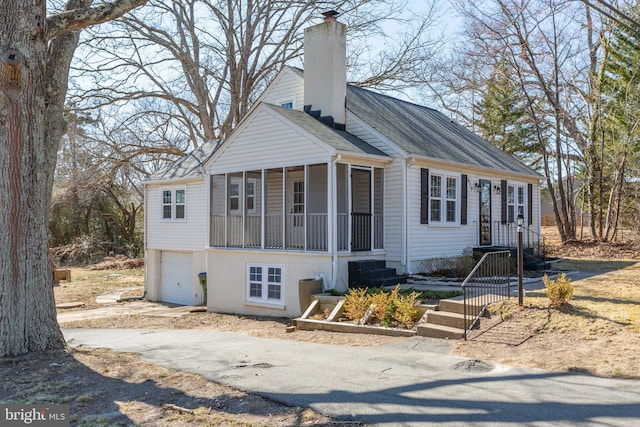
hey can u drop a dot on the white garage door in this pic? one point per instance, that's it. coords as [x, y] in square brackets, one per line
[177, 278]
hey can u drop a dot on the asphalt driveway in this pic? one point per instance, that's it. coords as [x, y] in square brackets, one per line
[412, 382]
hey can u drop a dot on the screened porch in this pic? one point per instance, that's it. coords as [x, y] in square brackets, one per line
[291, 208]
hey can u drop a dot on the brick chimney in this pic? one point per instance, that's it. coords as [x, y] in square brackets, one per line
[325, 68]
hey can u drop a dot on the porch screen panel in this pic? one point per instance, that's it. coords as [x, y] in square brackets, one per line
[342, 196]
[274, 199]
[217, 216]
[378, 224]
[235, 206]
[316, 215]
[295, 202]
[253, 210]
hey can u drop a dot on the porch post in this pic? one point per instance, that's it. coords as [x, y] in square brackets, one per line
[349, 208]
[263, 210]
[284, 208]
[226, 209]
[331, 207]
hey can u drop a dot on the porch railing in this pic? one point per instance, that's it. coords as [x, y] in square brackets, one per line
[250, 235]
[234, 232]
[507, 235]
[488, 282]
[361, 232]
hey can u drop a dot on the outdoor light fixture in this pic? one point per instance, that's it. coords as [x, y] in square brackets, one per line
[520, 219]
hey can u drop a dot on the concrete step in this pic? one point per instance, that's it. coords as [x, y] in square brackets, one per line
[445, 318]
[439, 331]
[454, 305]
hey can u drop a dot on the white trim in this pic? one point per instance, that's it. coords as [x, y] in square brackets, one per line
[173, 204]
[264, 284]
[444, 176]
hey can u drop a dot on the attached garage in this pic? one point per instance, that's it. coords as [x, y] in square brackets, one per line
[177, 278]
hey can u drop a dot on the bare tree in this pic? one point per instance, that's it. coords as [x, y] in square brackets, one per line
[197, 66]
[551, 58]
[35, 54]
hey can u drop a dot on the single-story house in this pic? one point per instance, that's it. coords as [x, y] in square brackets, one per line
[320, 174]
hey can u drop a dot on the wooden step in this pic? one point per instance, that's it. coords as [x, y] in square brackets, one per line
[439, 331]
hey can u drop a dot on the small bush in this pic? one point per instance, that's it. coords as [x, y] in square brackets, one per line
[382, 302]
[559, 291]
[356, 303]
[405, 312]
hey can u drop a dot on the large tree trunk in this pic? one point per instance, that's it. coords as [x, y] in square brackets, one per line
[27, 308]
[35, 53]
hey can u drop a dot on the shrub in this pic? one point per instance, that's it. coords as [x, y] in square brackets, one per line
[559, 291]
[382, 302]
[356, 303]
[405, 312]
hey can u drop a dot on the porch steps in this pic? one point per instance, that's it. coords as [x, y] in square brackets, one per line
[372, 273]
[445, 322]
[439, 331]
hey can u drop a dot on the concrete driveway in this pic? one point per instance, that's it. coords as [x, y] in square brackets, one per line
[412, 382]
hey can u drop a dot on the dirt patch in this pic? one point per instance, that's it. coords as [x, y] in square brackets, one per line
[106, 388]
[87, 284]
[597, 332]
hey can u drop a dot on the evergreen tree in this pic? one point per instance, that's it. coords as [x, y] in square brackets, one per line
[502, 118]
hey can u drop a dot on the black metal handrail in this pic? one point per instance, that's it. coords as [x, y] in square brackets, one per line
[488, 282]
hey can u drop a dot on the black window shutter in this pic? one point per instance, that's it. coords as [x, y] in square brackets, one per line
[530, 204]
[424, 196]
[503, 194]
[463, 199]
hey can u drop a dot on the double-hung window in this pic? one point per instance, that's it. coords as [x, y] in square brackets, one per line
[443, 196]
[515, 202]
[265, 283]
[174, 204]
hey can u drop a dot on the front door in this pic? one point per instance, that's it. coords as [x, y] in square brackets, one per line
[360, 210]
[485, 212]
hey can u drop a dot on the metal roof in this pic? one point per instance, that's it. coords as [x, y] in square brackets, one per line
[340, 140]
[187, 165]
[422, 131]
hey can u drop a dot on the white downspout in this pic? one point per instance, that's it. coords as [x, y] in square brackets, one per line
[334, 213]
[407, 235]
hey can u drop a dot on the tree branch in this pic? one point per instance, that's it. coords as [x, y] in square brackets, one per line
[79, 18]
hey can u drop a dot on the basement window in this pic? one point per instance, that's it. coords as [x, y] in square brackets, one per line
[265, 284]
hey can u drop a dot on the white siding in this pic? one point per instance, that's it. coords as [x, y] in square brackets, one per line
[393, 211]
[286, 88]
[188, 234]
[355, 127]
[268, 142]
[430, 240]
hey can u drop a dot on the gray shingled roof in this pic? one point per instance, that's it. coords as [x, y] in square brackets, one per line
[340, 140]
[187, 165]
[421, 131]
